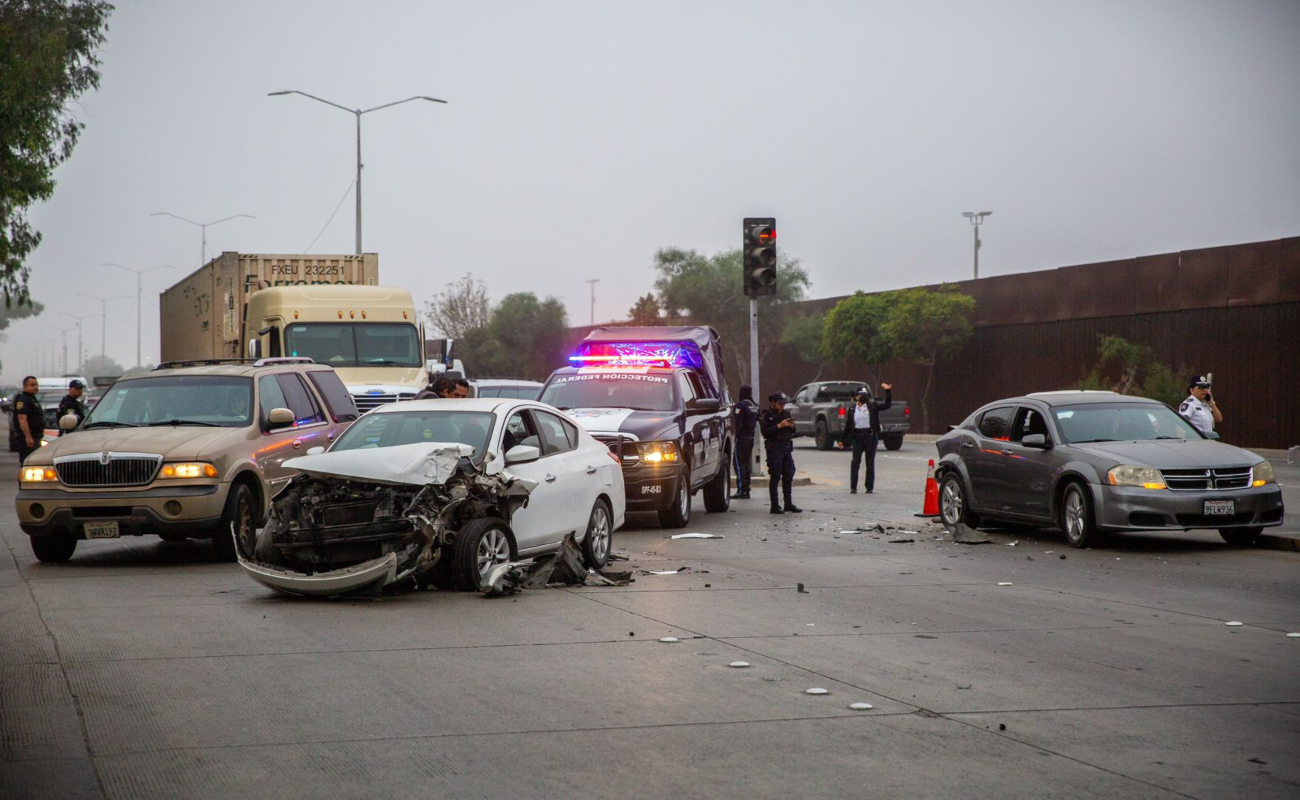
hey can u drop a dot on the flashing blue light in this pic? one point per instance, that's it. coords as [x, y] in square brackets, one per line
[666, 354]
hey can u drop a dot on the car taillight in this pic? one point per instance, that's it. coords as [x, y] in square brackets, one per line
[841, 412]
[907, 411]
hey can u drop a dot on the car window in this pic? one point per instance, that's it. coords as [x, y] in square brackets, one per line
[996, 423]
[520, 431]
[801, 396]
[687, 390]
[393, 428]
[696, 385]
[555, 435]
[522, 392]
[341, 405]
[488, 391]
[304, 408]
[1028, 421]
[271, 396]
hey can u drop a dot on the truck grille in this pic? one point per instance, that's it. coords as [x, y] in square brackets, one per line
[369, 402]
[631, 455]
[120, 469]
[1188, 480]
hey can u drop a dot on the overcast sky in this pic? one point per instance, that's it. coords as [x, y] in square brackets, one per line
[581, 136]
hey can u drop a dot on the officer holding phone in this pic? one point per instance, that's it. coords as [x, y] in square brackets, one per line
[1199, 408]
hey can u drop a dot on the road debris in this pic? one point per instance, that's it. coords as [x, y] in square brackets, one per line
[965, 534]
[696, 536]
[902, 540]
[1013, 544]
[802, 590]
[665, 571]
[861, 706]
[669, 639]
[1005, 583]
[816, 690]
[1293, 636]
[563, 568]
[739, 664]
[1234, 624]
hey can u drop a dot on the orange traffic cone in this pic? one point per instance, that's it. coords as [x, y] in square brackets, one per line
[930, 507]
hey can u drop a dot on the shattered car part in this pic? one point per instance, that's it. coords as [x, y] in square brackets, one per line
[363, 520]
[563, 568]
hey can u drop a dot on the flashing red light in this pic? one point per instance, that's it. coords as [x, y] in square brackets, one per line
[765, 235]
[907, 411]
[842, 410]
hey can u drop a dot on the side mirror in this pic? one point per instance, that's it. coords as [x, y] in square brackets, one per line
[1035, 440]
[280, 417]
[68, 422]
[704, 405]
[315, 451]
[1213, 435]
[522, 454]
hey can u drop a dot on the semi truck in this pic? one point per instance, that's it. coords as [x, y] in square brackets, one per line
[329, 308]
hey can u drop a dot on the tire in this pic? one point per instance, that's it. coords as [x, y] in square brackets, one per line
[237, 521]
[481, 544]
[893, 442]
[599, 540]
[678, 514]
[717, 494]
[1237, 537]
[954, 505]
[53, 549]
[823, 436]
[1077, 517]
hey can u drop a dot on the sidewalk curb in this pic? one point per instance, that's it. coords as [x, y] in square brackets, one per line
[1278, 542]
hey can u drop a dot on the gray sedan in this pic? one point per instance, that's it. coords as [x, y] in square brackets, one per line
[1092, 462]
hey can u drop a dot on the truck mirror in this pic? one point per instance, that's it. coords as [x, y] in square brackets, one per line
[704, 405]
[279, 417]
[68, 421]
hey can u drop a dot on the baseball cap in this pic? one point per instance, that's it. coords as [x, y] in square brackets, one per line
[778, 397]
[1199, 381]
[76, 384]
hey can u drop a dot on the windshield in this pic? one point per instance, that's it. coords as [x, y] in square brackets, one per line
[413, 427]
[341, 344]
[638, 391]
[1121, 422]
[213, 400]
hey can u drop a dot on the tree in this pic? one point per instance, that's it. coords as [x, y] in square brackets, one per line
[852, 330]
[708, 290]
[525, 339]
[925, 325]
[100, 365]
[48, 57]
[645, 311]
[461, 307]
[805, 335]
[1134, 369]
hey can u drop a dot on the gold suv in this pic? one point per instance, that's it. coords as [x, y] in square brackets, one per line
[191, 449]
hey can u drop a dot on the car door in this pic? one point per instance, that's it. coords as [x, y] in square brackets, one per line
[540, 522]
[799, 410]
[340, 408]
[578, 473]
[695, 432]
[1026, 486]
[985, 460]
[711, 428]
[277, 443]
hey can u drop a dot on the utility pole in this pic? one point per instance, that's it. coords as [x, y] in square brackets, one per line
[592, 283]
[976, 219]
[103, 322]
[81, 350]
[139, 310]
[203, 228]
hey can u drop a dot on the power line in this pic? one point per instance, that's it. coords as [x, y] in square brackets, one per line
[346, 192]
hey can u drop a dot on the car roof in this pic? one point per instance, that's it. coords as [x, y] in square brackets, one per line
[238, 370]
[454, 404]
[1074, 397]
[504, 382]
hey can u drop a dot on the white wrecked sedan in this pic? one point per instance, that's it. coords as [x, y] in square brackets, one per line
[437, 492]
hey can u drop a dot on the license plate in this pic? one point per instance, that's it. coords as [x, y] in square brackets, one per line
[652, 490]
[1220, 508]
[104, 530]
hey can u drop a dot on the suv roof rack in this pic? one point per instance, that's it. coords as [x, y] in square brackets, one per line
[262, 362]
[210, 362]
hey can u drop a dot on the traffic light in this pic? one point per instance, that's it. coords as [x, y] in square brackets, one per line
[759, 256]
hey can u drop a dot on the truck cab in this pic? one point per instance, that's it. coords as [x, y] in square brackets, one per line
[657, 398]
[370, 335]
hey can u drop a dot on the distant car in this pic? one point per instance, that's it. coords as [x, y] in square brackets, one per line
[514, 389]
[1093, 462]
[819, 410]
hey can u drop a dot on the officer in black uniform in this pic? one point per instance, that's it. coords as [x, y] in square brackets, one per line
[28, 423]
[862, 433]
[71, 402]
[746, 413]
[778, 437]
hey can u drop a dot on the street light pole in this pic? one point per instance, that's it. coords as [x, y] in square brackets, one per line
[976, 219]
[357, 112]
[203, 228]
[103, 322]
[81, 351]
[139, 309]
[592, 283]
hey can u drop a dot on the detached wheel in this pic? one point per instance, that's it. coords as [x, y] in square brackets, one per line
[678, 513]
[1238, 537]
[53, 549]
[823, 436]
[717, 494]
[954, 505]
[1077, 517]
[480, 545]
[236, 523]
[600, 536]
[893, 442]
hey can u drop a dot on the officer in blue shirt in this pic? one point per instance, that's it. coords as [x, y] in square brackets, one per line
[746, 414]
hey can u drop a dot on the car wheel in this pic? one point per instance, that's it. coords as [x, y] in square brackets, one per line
[1239, 537]
[823, 436]
[53, 549]
[1077, 518]
[600, 536]
[893, 442]
[480, 545]
[954, 506]
[678, 513]
[717, 494]
[236, 524]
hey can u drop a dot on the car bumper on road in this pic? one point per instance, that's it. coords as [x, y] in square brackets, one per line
[650, 488]
[1123, 508]
[179, 510]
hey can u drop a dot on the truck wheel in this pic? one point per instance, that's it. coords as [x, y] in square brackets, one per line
[823, 436]
[236, 523]
[1238, 537]
[678, 513]
[53, 549]
[717, 494]
[479, 546]
[893, 442]
[600, 536]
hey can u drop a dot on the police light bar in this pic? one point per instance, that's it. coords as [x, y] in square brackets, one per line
[668, 354]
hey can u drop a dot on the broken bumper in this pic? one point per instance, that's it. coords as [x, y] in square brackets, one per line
[368, 576]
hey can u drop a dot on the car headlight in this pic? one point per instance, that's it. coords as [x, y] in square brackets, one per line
[659, 452]
[40, 475]
[1128, 475]
[1262, 473]
[188, 469]
[44, 442]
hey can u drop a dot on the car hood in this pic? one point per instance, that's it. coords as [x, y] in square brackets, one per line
[171, 442]
[647, 426]
[417, 464]
[1172, 453]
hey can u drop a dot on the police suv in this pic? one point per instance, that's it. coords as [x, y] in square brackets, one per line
[657, 396]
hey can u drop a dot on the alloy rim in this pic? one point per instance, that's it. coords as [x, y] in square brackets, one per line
[684, 502]
[1074, 516]
[951, 503]
[493, 549]
[599, 533]
[243, 527]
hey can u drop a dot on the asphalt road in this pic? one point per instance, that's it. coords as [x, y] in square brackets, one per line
[146, 669]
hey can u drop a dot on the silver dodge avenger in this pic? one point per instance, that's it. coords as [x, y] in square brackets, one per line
[1092, 462]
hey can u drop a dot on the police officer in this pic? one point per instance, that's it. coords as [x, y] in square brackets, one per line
[1199, 408]
[862, 433]
[28, 423]
[746, 413]
[71, 402]
[778, 437]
